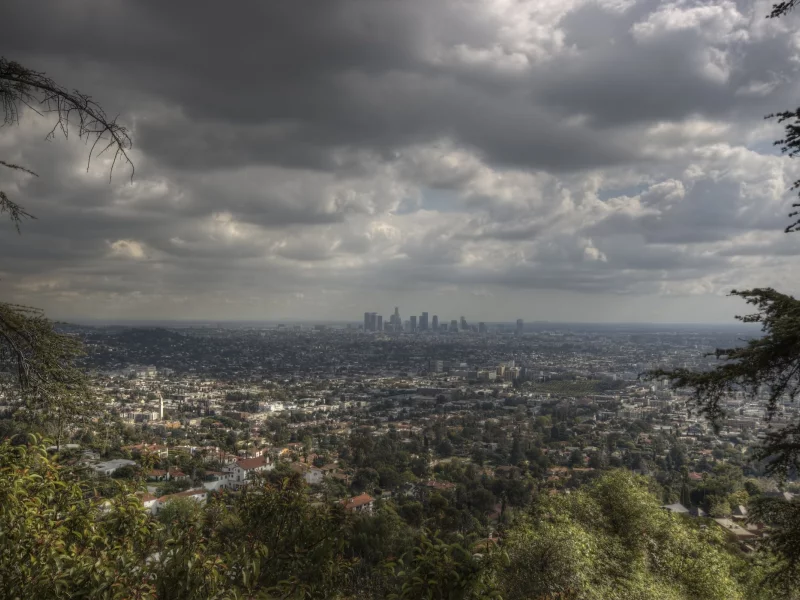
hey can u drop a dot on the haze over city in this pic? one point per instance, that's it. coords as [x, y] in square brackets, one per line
[592, 161]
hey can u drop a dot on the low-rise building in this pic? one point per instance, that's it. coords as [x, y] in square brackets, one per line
[363, 503]
[239, 472]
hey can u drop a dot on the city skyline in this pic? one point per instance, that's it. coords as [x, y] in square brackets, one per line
[420, 323]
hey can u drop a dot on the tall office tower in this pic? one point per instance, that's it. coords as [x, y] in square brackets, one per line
[413, 323]
[373, 321]
[379, 324]
[520, 323]
[481, 327]
[366, 321]
[464, 323]
[435, 323]
[423, 322]
[453, 325]
[398, 323]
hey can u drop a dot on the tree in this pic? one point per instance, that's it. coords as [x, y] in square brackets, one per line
[611, 539]
[516, 451]
[444, 448]
[783, 8]
[437, 570]
[279, 542]
[49, 388]
[596, 460]
[57, 540]
[790, 143]
[126, 472]
[365, 479]
[770, 363]
[677, 457]
[389, 478]
[783, 541]
[60, 539]
[41, 359]
[719, 507]
[379, 537]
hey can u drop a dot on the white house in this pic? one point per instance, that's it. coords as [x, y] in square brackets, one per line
[216, 482]
[149, 502]
[239, 472]
[311, 475]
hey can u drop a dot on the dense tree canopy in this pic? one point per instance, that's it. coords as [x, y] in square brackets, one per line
[64, 537]
[612, 540]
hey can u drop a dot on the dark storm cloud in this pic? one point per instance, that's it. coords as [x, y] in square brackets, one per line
[284, 83]
[274, 82]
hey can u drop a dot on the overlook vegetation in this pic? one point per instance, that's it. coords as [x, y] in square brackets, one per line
[64, 537]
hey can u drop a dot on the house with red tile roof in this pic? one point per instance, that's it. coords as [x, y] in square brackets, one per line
[363, 503]
[439, 485]
[148, 501]
[178, 475]
[239, 472]
[157, 475]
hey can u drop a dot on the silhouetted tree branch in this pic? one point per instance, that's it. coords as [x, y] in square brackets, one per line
[767, 367]
[790, 143]
[782, 9]
[21, 87]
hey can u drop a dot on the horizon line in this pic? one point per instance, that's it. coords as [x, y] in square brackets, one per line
[88, 320]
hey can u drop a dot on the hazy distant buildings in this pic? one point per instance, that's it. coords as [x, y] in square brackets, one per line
[422, 322]
[371, 321]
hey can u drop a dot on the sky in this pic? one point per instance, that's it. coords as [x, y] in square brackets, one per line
[563, 160]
